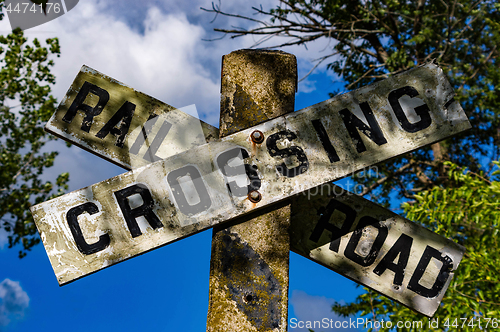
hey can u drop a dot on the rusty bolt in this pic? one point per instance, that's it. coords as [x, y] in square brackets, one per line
[257, 136]
[254, 196]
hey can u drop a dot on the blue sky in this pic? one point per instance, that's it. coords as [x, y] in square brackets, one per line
[155, 47]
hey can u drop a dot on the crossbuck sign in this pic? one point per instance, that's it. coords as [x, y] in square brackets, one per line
[204, 185]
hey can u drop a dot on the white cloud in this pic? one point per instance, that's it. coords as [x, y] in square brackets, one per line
[154, 47]
[166, 58]
[164, 61]
[13, 301]
[158, 47]
[308, 308]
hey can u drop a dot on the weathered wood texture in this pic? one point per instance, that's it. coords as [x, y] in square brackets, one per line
[249, 263]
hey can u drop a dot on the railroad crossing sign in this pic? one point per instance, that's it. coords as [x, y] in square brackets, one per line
[172, 198]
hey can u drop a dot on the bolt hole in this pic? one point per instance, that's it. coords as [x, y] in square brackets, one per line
[254, 196]
[257, 136]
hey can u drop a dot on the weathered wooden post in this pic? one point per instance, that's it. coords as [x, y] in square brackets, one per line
[249, 264]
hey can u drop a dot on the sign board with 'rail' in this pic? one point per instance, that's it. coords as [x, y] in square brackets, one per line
[122, 125]
[95, 227]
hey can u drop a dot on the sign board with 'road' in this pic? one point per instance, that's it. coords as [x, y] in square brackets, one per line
[374, 247]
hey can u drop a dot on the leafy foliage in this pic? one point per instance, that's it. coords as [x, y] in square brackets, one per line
[25, 105]
[468, 213]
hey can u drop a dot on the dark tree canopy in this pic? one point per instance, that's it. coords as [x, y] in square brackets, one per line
[374, 39]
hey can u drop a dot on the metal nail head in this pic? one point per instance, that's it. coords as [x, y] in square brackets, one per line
[254, 196]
